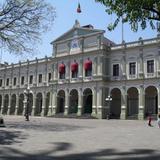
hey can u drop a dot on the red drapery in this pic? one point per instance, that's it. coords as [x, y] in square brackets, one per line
[88, 64]
[74, 67]
[62, 68]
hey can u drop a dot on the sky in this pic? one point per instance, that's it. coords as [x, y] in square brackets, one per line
[92, 13]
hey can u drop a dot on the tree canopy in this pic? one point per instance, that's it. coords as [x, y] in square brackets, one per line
[135, 12]
[22, 22]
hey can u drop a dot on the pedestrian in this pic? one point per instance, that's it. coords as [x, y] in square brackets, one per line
[149, 120]
[158, 120]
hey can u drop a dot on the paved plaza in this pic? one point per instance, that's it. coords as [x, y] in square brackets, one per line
[78, 139]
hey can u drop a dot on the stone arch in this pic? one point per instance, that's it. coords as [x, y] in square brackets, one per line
[151, 100]
[60, 101]
[13, 104]
[73, 101]
[115, 108]
[21, 104]
[132, 103]
[47, 104]
[38, 107]
[87, 101]
[0, 102]
[6, 103]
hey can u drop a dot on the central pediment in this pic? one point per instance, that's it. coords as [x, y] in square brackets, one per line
[78, 31]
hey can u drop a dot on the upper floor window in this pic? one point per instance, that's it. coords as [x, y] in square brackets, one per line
[14, 81]
[1, 82]
[115, 69]
[62, 71]
[49, 77]
[88, 68]
[74, 69]
[7, 82]
[132, 68]
[22, 80]
[150, 66]
[40, 78]
[30, 79]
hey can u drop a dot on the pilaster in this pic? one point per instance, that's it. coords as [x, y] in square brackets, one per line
[123, 105]
[141, 104]
[99, 103]
[79, 113]
[66, 109]
[17, 104]
[9, 104]
[43, 104]
[94, 104]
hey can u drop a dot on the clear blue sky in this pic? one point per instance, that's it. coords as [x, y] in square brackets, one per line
[92, 13]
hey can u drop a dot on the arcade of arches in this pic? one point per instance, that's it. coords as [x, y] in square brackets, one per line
[135, 104]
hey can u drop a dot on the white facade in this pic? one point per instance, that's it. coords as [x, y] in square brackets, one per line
[84, 70]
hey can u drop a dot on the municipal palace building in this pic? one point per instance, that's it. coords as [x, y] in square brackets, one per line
[87, 75]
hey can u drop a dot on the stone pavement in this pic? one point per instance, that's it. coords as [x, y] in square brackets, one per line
[78, 139]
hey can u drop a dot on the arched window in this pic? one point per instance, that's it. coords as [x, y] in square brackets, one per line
[88, 67]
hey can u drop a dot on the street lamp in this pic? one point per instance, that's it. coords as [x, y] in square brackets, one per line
[108, 99]
[27, 91]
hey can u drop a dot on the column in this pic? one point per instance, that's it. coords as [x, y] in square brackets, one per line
[123, 105]
[99, 66]
[80, 69]
[43, 104]
[80, 100]
[141, 98]
[66, 109]
[54, 102]
[124, 65]
[17, 104]
[99, 103]
[67, 74]
[50, 104]
[95, 66]
[55, 72]
[34, 104]
[24, 104]
[9, 105]
[94, 103]
[2, 106]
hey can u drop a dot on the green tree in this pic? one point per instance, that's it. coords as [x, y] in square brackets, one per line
[22, 22]
[135, 12]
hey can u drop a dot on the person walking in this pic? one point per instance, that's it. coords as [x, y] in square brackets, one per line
[149, 120]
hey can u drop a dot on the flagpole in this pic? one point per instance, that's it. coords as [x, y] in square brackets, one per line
[122, 30]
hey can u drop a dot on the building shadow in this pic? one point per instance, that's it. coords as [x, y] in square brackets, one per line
[8, 153]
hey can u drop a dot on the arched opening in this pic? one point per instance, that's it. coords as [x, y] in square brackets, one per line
[60, 101]
[21, 104]
[87, 101]
[47, 104]
[132, 103]
[13, 104]
[38, 108]
[115, 108]
[6, 103]
[30, 102]
[151, 101]
[73, 101]
[0, 102]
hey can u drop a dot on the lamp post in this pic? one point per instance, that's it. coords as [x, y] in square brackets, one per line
[27, 91]
[108, 99]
